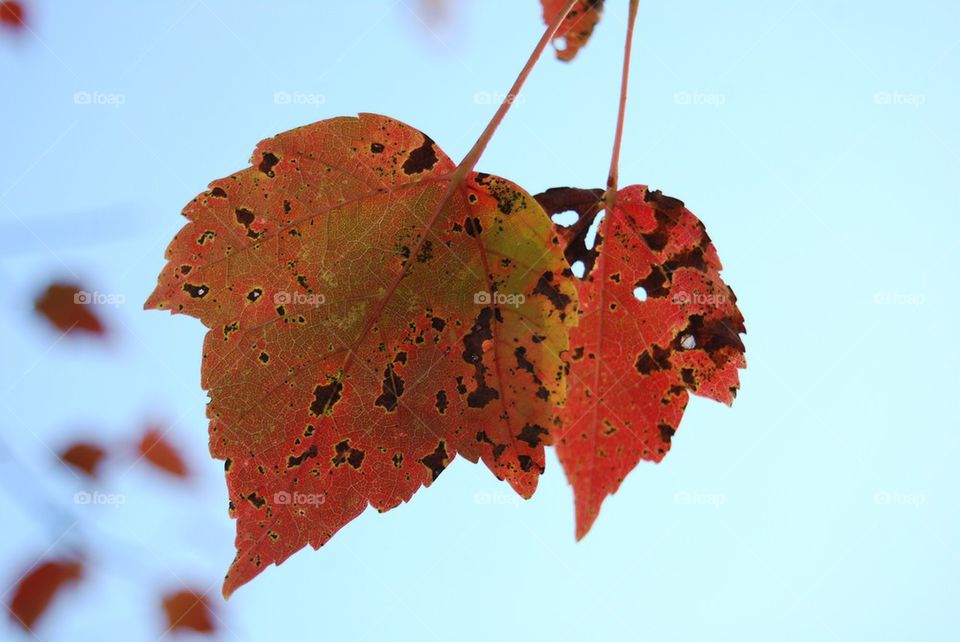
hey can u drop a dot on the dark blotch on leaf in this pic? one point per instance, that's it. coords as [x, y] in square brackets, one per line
[436, 461]
[532, 434]
[442, 402]
[666, 432]
[347, 454]
[325, 397]
[527, 463]
[422, 158]
[302, 457]
[268, 163]
[392, 389]
[196, 291]
[546, 287]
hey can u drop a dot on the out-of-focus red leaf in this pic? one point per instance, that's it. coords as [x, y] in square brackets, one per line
[657, 323]
[155, 448]
[12, 15]
[35, 590]
[83, 456]
[576, 28]
[67, 307]
[188, 610]
[435, 13]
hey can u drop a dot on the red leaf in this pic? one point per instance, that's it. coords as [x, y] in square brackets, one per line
[155, 448]
[68, 308]
[12, 15]
[187, 610]
[355, 346]
[83, 456]
[633, 361]
[576, 28]
[34, 592]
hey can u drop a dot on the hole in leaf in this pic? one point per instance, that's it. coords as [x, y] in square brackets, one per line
[578, 268]
[639, 293]
[565, 219]
[688, 342]
[591, 238]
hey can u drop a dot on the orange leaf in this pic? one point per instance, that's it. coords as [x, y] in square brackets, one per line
[155, 448]
[576, 28]
[657, 321]
[83, 456]
[35, 591]
[68, 308]
[187, 610]
[361, 336]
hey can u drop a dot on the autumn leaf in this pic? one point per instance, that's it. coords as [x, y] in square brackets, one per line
[157, 450]
[361, 336]
[67, 307]
[12, 15]
[35, 591]
[83, 456]
[188, 610]
[657, 322]
[576, 28]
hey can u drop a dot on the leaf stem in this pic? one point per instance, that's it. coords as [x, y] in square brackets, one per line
[473, 156]
[611, 196]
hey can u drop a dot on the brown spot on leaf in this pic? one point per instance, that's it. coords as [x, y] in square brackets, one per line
[546, 287]
[302, 457]
[442, 402]
[268, 163]
[325, 397]
[422, 158]
[532, 434]
[196, 291]
[436, 461]
[392, 389]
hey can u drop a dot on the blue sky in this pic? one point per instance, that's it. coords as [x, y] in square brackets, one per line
[815, 139]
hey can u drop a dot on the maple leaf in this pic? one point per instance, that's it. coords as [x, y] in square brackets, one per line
[657, 321]
[361, 336]
[188, 610]
[12, 15]
[83, 456]
[66, 307]
[576, 27]
[157, 450]
[35, 591]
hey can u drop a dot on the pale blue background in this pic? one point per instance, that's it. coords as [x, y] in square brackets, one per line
[822, 506]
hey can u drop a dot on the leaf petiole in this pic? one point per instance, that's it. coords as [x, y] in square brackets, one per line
[610, 196]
